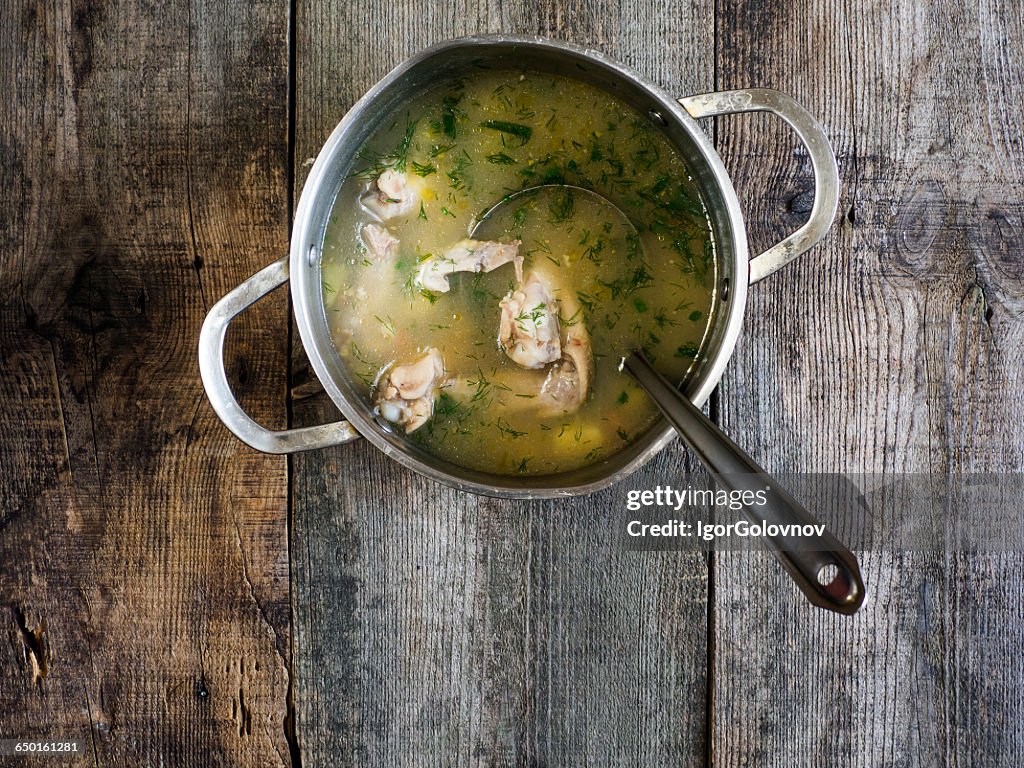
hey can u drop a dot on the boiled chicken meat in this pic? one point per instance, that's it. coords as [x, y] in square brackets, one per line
[560, 389]
[468, 256]
[529, 328]
[379, 242]
[392, 195]
[406, 392]
[568, 382]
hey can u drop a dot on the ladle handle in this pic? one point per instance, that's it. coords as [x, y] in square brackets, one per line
[810, 560]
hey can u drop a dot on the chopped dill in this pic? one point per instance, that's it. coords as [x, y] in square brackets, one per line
[409, 284]
[573, 318]
[632, 245]
[625, 286]
[521, 132]
[535, 316]
[480, 291]
[423, 169]
[594, 250]
[663, 320]
[671, 198]
[457, 175]
[482, 389]
[687, 350]
[623, 398]
[367, 376]
[647, 156]
[446, 405]
[449, 113]
[377, 163]
[402, 153]
[389, 324]
[563, 208]
[507, 430]
[542, 246]
[500, 158]
[587, 300]
[553, 176]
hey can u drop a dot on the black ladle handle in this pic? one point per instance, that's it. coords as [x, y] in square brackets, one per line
[810, 560]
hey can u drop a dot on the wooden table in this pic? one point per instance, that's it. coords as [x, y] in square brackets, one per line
[172, 598]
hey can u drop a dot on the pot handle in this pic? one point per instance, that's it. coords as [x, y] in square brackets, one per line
[215, 379]
[823, 161]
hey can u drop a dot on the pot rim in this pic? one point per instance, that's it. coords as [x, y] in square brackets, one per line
[304, 256]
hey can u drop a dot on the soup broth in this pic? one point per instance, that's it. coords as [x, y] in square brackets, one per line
[580, 278]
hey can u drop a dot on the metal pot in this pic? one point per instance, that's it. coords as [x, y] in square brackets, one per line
[676, 118]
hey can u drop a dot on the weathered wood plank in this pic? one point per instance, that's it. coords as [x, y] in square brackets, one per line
[143, 551]
[437, 628]
[891, 348]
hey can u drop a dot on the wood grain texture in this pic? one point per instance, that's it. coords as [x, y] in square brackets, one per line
[433, 627]
[893, 347]
[143, 551]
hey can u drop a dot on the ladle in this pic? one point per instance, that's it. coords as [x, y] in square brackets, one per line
[822, 567]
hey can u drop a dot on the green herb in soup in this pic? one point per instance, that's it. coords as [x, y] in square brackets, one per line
[491, 336]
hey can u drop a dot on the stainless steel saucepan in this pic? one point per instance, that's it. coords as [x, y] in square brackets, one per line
[459, 58]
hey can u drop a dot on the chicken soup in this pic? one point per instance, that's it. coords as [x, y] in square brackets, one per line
[499, 246]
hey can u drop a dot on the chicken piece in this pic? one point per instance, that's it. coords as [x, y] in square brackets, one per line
[529, 329]
[561, 389]
[568, 382]
[379, 242]
[392, 195]
[405, 393]
[468, 256]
